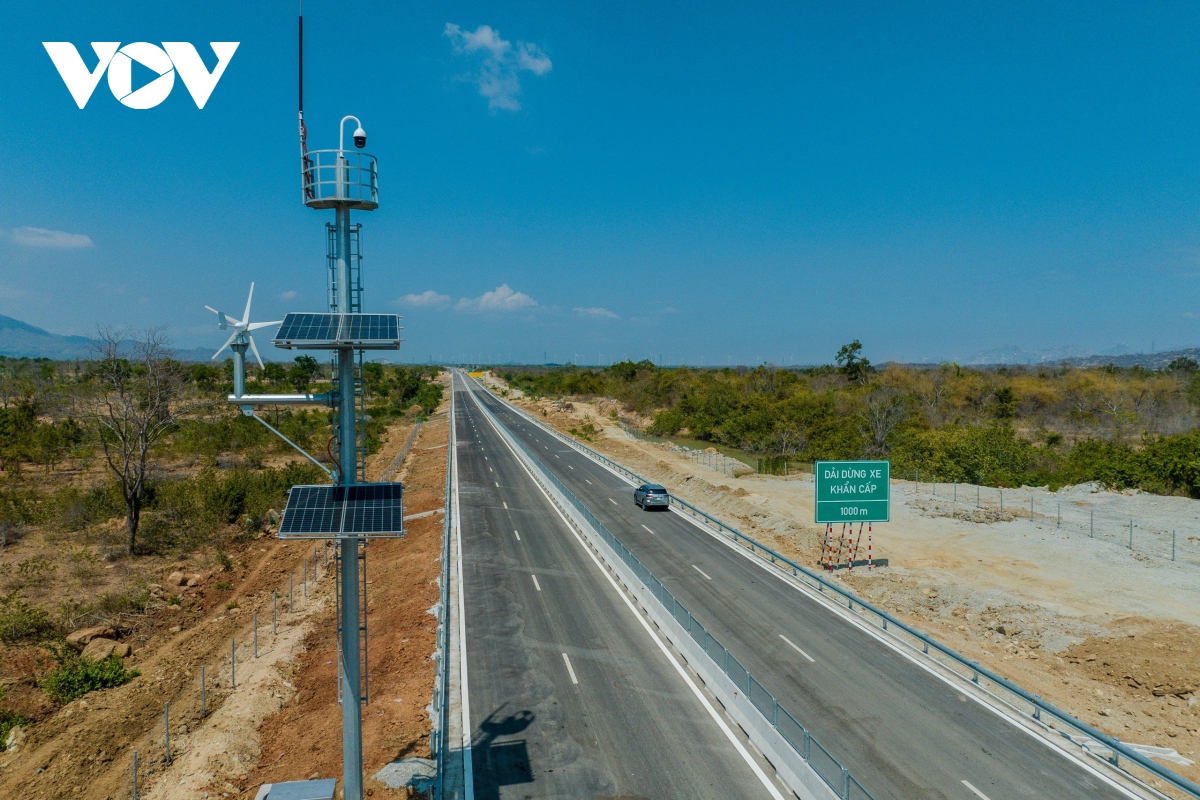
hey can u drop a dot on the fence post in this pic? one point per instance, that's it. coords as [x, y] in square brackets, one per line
[1092, 525]
[1001, 501]
[1131, 535]
[135, 796]
[291, 580]
[274, 612]
[1060, 515]
[956, 491]
[304, 564]
[232, 662]
[1031, 508]
[203, 703]
[1172, 545]
[256, 634]
[167, 731]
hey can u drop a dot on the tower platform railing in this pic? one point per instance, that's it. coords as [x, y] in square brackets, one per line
[333, 178]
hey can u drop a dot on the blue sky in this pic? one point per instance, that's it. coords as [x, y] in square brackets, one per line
[721, 182]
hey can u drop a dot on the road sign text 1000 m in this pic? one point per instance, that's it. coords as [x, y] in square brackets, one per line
[853, 491]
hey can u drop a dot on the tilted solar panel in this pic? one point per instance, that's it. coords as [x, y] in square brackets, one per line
[331, 331]
[323, 512]
[309, 327]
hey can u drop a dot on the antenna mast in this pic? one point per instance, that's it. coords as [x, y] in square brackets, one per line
[308, 192]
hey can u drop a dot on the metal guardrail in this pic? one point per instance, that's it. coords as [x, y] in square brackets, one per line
[1029, 705]
[441, 684]
[830, 770]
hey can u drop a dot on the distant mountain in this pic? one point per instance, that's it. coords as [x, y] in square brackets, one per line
[1147, 360]
[22, 340]
[1011, 354]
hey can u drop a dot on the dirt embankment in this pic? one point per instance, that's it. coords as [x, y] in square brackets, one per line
[282, 721]
[1110, 635]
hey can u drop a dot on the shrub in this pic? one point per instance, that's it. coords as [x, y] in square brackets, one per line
[224, 587]
[8, 721]
[75, 676]
[21, 621]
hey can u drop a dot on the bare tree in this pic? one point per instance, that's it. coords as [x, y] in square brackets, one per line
[885, 410]
[136, 385]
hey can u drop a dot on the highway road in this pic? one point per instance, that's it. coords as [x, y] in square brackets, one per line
[570, 694]
[903, 732]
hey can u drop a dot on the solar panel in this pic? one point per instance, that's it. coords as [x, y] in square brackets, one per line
[309, 327]
[323, 512]
[310, 331]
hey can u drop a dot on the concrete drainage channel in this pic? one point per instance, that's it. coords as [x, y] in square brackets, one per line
[799, 760]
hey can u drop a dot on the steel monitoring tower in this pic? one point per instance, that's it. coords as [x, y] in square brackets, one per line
[347, 510]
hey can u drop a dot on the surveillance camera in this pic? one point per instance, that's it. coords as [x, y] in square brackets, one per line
[360, 138]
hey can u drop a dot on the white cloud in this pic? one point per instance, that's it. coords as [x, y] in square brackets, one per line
[290, 294]
[426, 299]
[502, 298]
[41, 237]
[499, 73]
[599, 313]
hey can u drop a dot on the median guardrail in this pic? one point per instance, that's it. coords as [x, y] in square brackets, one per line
[1090, 740]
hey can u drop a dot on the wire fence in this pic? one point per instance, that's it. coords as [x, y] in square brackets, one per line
[394, 466]
[708, 457]
[952, 663]
[823, 763]
[1071, 516]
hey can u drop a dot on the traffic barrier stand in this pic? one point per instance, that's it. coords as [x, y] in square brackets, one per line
[870, 565]
[841, 543]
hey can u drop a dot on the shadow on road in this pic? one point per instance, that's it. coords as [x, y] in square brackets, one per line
[500, 763]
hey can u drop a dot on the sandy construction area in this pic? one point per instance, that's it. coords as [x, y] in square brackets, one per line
[1107, 633]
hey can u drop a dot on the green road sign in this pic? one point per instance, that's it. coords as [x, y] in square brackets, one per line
[853, 491]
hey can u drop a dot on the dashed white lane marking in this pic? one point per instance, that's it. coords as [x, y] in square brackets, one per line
[588, 482]
[570, 669]
[702, 572]
[684, 676]
[536, 585]
[504, 504]
[497, 484]
[556, 455]
[648, 530]
[491, 470]
[797, 649]
[517, 535]
[569, 466]
[976, 791]
[614, 502]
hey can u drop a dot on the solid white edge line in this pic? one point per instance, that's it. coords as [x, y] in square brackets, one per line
[536, 585]
[797, 649]
[468, 764]
[976, 791]
[712, 712]
[570, 669]
[1020, 723]
[702, 572]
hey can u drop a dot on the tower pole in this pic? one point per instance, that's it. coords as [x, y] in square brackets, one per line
[352, 781]
[239, 367]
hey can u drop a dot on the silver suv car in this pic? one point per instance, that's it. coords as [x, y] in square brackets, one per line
[651, 494]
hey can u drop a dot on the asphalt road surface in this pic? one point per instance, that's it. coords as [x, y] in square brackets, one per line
[570, 696]
[901, 731]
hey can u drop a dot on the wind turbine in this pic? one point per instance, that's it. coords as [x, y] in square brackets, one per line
[239, 340]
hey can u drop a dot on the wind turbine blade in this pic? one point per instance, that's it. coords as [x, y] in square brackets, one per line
[222, 320]
[228, 342]
[256, 325]
[249, 297]
[255, 349]
[210, 308]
